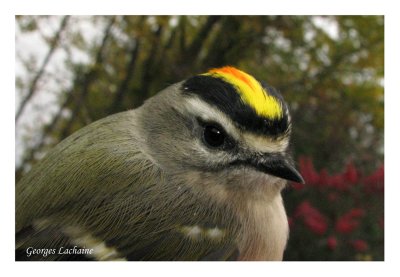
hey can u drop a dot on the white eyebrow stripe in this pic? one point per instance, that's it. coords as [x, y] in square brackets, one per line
[208, 112]
[259, 143]
[264, 144]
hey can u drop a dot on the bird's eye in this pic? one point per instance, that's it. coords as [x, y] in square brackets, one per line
[214, 136]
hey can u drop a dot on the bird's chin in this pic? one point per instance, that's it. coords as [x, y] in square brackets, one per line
[247, 182]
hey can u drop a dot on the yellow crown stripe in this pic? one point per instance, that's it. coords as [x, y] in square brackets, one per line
[250, 91]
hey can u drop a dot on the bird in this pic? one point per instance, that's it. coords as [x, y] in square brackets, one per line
[194, 174]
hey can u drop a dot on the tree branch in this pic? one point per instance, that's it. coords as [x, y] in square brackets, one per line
[88, 78]
[147, 68]
[39, 74]
[49, 128]
[198, 42]
[129, 71]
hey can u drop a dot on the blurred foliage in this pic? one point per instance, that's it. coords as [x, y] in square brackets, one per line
[336, 217]
[328, 68]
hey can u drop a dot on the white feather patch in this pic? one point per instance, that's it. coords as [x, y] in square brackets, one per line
[101, 251]
[196, 232]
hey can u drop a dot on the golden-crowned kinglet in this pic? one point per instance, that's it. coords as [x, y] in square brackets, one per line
[195, 173]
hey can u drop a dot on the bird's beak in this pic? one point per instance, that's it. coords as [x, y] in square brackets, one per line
[279, 166]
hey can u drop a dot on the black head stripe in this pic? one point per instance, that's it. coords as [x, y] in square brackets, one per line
[224, 96]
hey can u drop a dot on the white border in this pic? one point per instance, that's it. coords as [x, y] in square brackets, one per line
[285, 7]
[225, 7]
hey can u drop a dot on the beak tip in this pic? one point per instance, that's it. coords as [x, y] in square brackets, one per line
[297, 178]
[301, 180]
[291, 174]
[279, 167]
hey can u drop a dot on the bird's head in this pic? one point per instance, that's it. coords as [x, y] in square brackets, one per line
[222, 125]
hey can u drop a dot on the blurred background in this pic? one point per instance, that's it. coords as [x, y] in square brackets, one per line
[73, 70]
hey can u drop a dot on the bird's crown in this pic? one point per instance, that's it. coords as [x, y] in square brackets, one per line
[250, 90]
[253, 106]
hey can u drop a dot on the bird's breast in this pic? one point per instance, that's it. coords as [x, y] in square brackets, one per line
[265, 230]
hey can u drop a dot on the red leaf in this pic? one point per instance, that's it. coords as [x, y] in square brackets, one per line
[349, 222]
[331, 242]
[360, 245]
[350, 174]
[313, 219]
